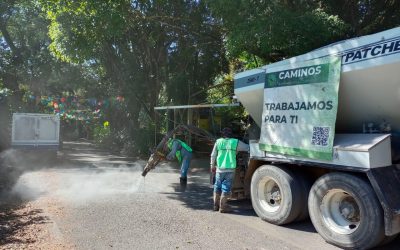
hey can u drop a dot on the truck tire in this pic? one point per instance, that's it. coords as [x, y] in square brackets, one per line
[275, 194]
[345, 211]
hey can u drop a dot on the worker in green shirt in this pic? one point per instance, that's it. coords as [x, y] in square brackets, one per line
[183, 153]
[223, 162]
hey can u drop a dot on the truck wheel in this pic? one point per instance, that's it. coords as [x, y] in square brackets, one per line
[275, 194]
[345, 211]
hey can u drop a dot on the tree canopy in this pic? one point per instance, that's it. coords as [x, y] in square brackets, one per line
[272, 30]
[161, 52]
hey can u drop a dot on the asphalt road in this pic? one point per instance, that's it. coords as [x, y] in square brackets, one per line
[107, 204]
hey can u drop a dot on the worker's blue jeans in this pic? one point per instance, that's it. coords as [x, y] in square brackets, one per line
[186, 158]
[223, 182]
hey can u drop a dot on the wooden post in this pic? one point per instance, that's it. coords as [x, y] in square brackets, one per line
[167, 120]
[175, 118]
[212, 120]
[155, 127]
[189, 122]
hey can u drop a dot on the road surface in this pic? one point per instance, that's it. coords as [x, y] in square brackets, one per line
[96, 200]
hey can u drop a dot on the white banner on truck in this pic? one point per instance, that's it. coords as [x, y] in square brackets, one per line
[300, 107]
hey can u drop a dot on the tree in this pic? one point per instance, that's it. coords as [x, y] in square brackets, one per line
[364, 17]
[26, 63]
[151, 52]
[25, 58]
[274, 30]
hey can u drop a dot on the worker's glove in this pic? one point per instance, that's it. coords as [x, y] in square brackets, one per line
[170, 157]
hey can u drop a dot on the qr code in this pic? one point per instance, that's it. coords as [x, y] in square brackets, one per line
[320, 136]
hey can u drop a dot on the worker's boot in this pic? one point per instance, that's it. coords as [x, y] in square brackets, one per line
[217, 200]
[224, 207]
[183, 182]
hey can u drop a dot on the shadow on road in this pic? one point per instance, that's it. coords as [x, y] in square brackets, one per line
[199, 197]
[304, 226]
[242, 207]
[194, 196]
[16, 220]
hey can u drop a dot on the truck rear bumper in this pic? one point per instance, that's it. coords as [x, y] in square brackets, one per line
[386, 183]
[52, 147]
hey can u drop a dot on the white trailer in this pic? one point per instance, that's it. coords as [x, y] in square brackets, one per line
[35, 131]
[350, 190]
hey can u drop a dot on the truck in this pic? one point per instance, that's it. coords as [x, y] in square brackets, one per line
[34, 131]
[328, 145]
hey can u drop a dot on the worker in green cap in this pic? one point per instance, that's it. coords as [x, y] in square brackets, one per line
[223, 162]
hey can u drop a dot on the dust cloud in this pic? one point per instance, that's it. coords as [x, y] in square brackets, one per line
[87, 184]
[12, 165]
[80, 184]
[30, 177]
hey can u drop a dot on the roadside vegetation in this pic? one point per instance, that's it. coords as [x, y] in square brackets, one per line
[104, 65]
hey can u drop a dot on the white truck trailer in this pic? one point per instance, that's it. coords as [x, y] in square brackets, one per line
[35, 131]
[329, 140]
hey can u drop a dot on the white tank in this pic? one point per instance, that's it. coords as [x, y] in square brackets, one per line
[369, 90]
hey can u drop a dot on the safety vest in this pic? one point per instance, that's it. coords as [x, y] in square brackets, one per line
[178, 152]
[226, 158]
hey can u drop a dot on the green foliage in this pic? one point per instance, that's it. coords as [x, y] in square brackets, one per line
[223, 93]
[144, 141]
[119, 139]
[273, 30]
[26, 64]
[364, 17]
[102, 135]
[141, 49]
[162, 52]
[249, 61]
